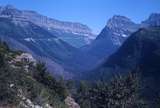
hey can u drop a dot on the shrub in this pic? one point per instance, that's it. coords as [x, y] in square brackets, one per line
[121, 92]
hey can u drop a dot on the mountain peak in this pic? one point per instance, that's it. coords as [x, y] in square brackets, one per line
[9, 11]
[153, 20]
[49, 23]
[120, 27]
[154, 15]
[9, 6]
[120, 17]
[118, 21]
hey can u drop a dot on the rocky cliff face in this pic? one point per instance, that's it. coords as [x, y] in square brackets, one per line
[117, 30]
[64, 30]
[71, 102]
[121, 27]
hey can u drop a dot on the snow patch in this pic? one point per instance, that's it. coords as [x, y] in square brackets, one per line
[124, 35]
[29, 40]
[116, 33]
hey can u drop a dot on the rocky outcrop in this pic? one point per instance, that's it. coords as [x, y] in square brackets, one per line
[121, 27]
[71, 102]
[25, 57]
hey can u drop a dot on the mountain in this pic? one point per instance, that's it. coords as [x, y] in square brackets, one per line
[117, 30]
[28, 37]
[114, 34]
[153, 20]
[44, 38]
[92, 55]
[31, 32]
[75, 34]
[140, 53]
[121, 27]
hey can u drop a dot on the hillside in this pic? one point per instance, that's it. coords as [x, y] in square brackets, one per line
[141, 50]
[33, 39]
[25, 83]
[139, 54]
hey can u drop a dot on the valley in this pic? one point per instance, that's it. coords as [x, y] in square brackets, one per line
[48, 63]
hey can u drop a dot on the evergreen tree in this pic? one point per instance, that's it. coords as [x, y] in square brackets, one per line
[121, 92]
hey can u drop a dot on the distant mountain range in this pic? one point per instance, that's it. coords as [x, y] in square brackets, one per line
[130, 46]
[31, 38]
[75, 34]
[114, 34]
[117, 30]
[63, 46]
[49, 40]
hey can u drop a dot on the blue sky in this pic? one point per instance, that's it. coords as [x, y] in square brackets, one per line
[93, 13]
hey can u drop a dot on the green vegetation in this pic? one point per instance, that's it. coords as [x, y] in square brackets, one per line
[121, 92]
[36, 84]
[42, 76]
